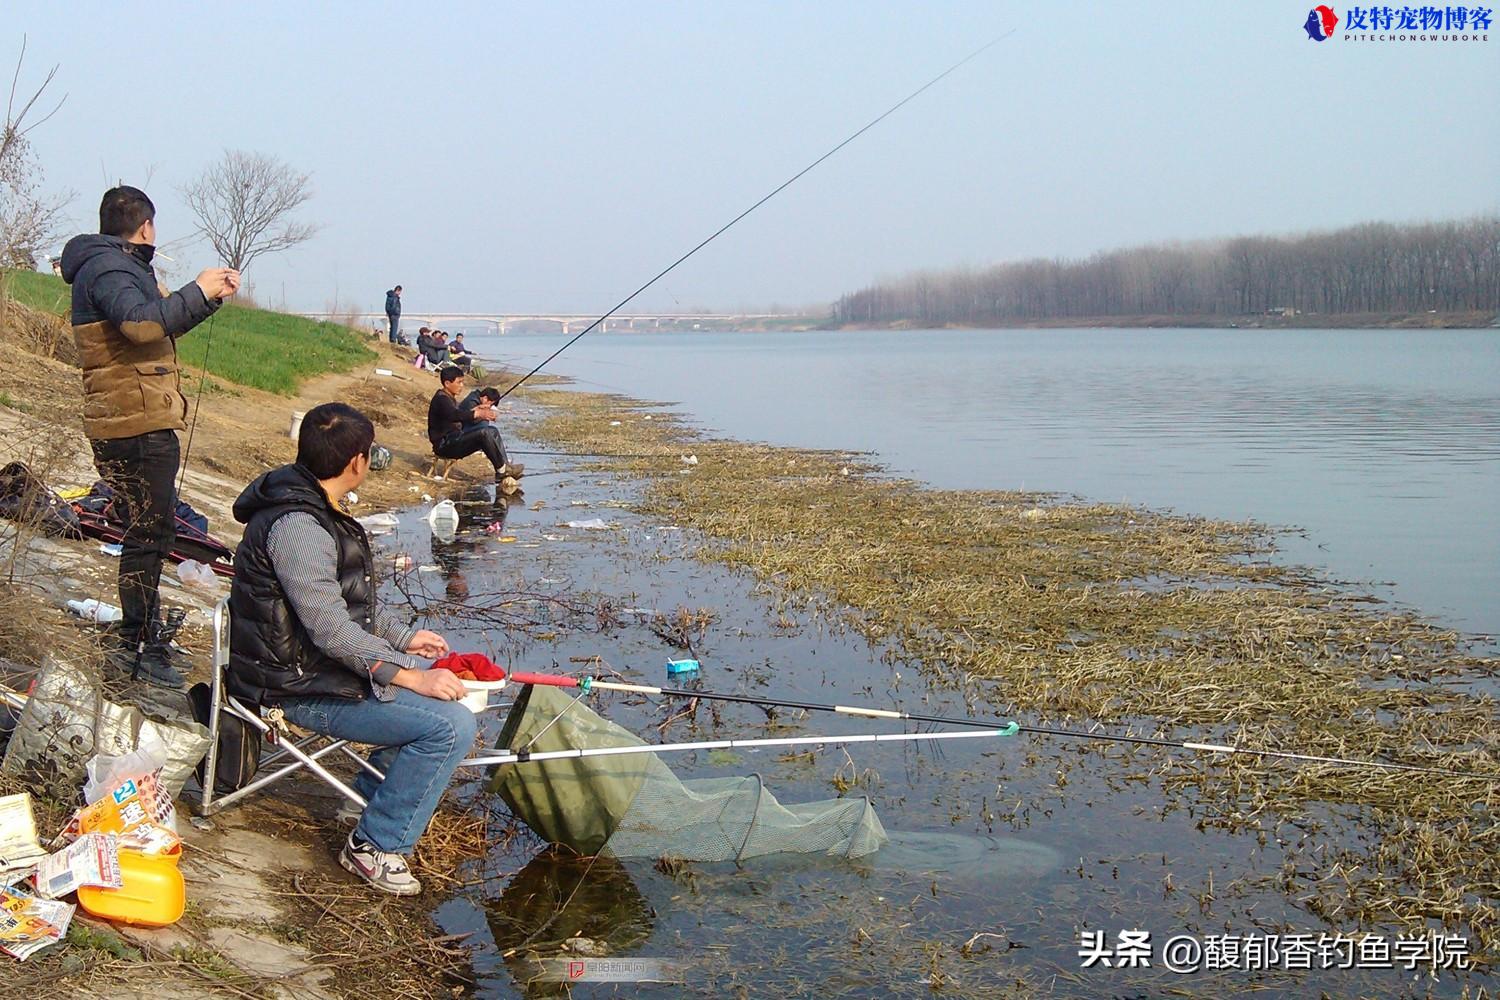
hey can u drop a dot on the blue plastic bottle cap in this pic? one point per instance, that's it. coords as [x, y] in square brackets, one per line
[681, 667]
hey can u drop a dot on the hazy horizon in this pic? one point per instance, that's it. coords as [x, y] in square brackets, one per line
[511, 159]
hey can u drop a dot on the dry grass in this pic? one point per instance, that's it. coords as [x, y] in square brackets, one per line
[36, 332]
[1065, 609]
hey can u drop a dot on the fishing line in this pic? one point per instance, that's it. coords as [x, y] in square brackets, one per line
[782, 187]
[590, 454]
[208, 345]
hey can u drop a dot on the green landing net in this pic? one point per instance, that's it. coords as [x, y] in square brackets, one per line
[636, 807]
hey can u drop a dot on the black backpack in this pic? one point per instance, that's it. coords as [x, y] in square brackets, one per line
[239, 745]
[24, 497]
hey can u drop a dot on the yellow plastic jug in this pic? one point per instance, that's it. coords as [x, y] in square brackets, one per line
[151, 893]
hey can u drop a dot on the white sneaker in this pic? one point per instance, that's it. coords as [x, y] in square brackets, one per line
[385, 871]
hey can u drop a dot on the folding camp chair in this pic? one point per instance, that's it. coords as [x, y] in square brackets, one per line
[290, 753]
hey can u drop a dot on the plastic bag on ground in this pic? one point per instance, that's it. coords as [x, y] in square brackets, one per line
[108, 771]
[196, 574]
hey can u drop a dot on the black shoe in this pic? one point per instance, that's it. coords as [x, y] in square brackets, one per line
[152, 665]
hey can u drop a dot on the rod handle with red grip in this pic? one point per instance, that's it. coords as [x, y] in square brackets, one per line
[547, 680]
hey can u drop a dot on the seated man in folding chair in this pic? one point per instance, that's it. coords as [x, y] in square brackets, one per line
[307, 637]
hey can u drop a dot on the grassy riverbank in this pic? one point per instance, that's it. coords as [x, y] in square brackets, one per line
[250, 347]
[1067, 611]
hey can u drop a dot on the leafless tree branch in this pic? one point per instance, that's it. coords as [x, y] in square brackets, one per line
[28, 220]
[243, 203]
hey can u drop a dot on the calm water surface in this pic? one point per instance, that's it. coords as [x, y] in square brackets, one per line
[1383, 446]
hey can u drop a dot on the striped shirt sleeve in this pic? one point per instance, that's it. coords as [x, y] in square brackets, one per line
[305, 559]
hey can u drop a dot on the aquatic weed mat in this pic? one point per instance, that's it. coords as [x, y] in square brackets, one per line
[1065, 611]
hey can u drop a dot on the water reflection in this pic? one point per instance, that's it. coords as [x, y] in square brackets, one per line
[481, 512]
[562, 904]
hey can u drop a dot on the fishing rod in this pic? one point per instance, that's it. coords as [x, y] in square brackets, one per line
[781, 187]
[590, 454]
[589, 684]
[528, 756]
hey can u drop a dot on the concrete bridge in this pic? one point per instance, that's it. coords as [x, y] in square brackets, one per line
[568, 323]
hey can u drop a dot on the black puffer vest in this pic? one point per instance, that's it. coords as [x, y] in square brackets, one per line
[270, 656]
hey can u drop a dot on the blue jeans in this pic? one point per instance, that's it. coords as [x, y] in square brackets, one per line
[395, 322]
[420, 740]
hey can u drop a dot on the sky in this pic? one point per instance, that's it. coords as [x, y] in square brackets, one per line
[525, 157]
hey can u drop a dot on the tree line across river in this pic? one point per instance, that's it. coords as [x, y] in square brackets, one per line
[1371, 268]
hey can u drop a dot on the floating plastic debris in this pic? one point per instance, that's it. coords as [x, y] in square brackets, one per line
[443, 519]
[379, 523]
[678, 667]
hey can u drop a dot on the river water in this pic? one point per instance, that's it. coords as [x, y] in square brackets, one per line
[1383, 446]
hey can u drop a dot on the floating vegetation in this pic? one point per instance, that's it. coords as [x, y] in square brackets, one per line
[1054, 608]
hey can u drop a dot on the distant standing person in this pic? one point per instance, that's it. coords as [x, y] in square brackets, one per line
[133, 404]
[393, 311]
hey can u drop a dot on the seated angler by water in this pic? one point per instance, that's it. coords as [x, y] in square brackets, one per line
[459, 429]
[437, 350]
[307, 637]
[459, 354]
[480, 405]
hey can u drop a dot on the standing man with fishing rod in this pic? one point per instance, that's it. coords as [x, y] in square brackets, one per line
[133, 404]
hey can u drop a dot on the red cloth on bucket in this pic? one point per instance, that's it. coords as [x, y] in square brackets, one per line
[482, 667]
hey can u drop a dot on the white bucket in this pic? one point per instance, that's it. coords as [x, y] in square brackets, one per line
[296, 427]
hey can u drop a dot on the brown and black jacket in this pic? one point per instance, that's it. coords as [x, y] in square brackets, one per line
[127, 337]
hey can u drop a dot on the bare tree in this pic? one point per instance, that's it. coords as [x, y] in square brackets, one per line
[28, 219]
[243, 204]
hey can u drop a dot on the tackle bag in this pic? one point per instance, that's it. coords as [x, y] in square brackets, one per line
[239, 745]
[99, 519]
